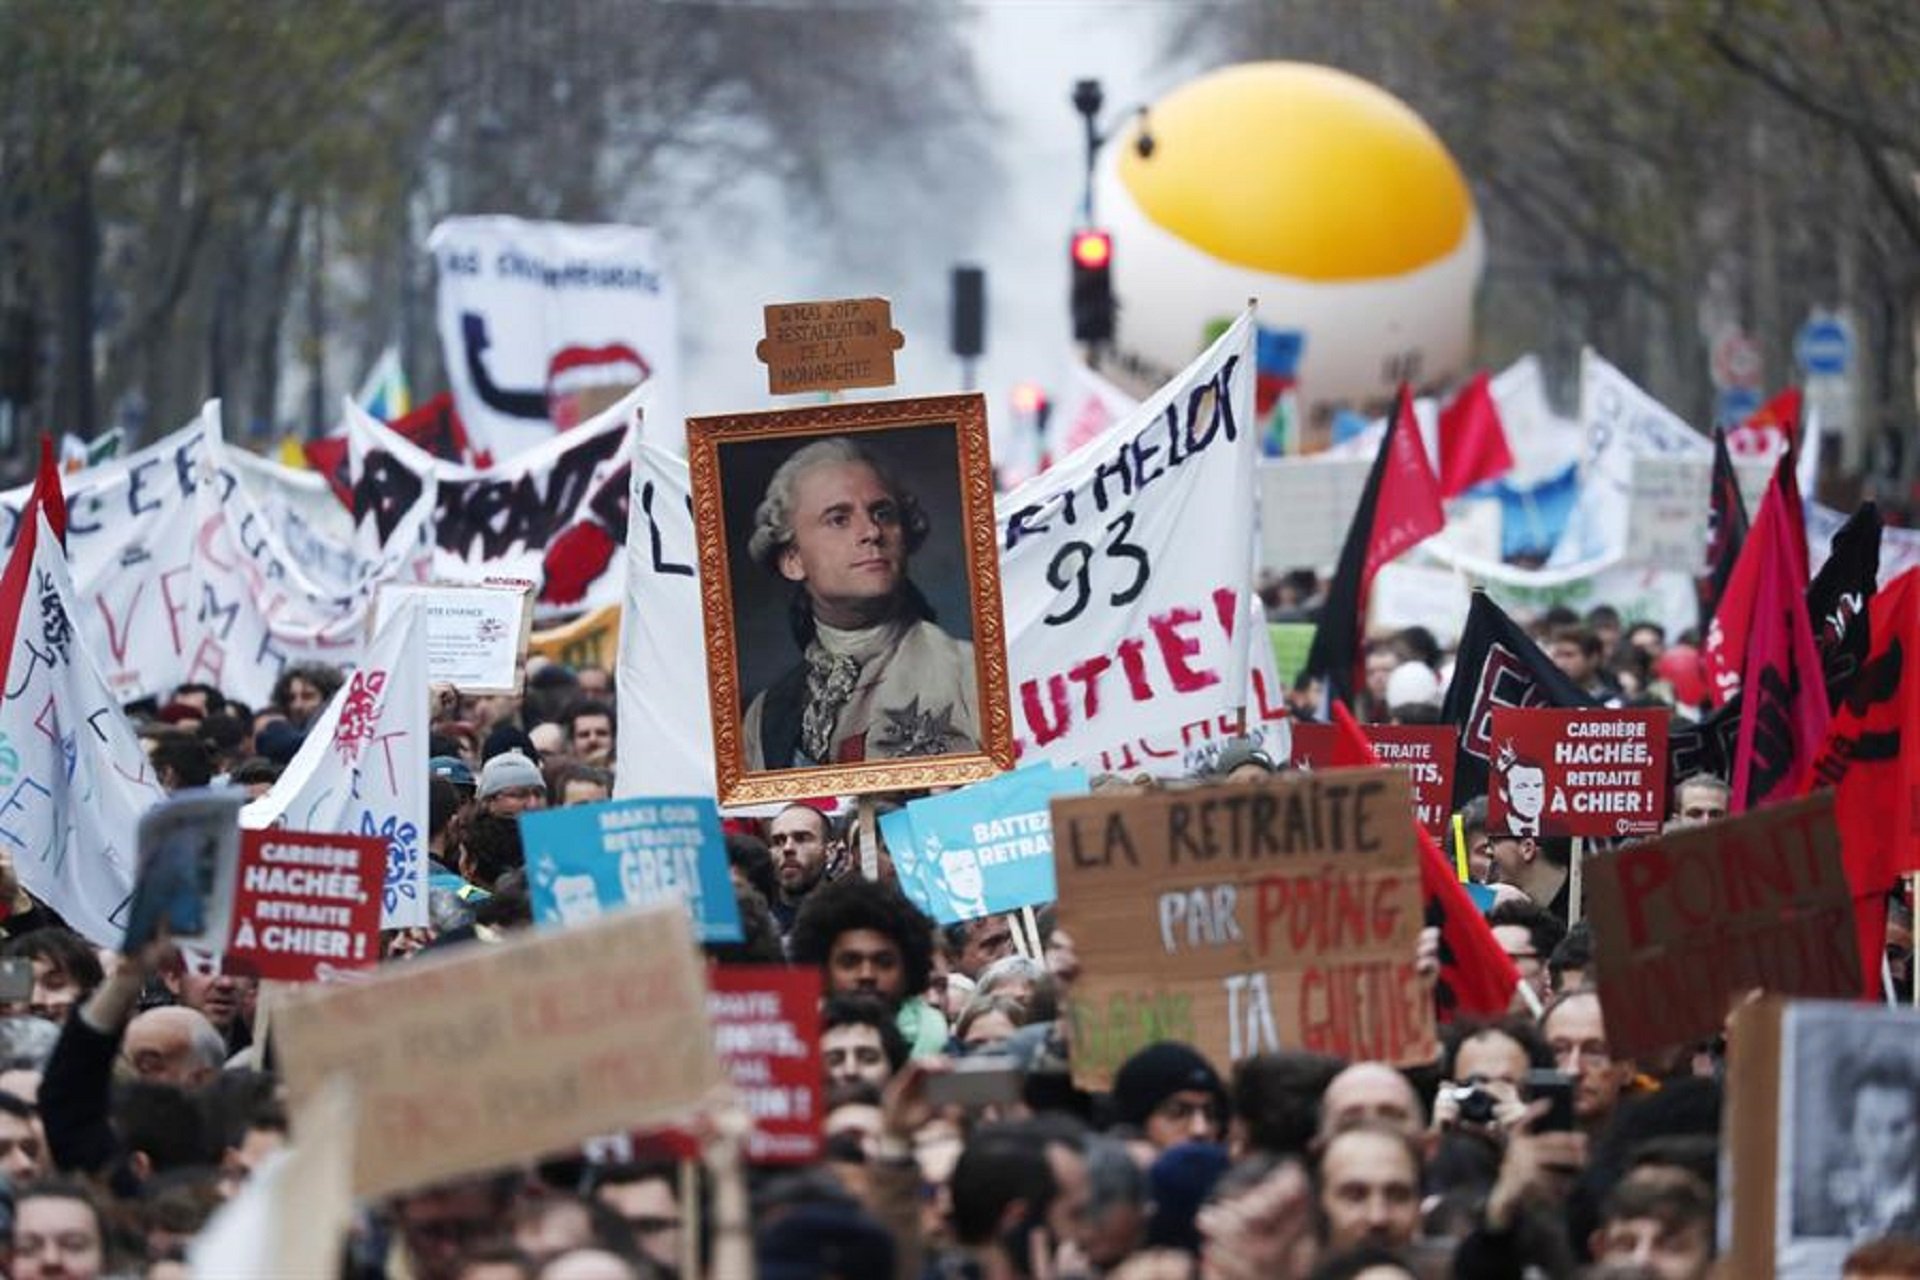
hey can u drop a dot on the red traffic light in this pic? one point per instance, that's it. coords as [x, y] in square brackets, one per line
[1028, 397]
[1092, 249]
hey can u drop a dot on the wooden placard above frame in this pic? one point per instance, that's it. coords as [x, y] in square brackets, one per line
[885, 527]
[829, 346]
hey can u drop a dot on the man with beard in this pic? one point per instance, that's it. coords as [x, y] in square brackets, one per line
[800, 838]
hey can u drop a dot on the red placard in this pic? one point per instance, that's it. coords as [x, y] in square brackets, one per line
[1587, 772]
[766, 1029]
[306, 904]
[1424, 751]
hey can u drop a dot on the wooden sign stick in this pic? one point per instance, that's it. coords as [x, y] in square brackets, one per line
[1573, 894]
[869, 838]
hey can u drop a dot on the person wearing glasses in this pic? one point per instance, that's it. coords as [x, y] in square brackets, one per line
[1576, 1032]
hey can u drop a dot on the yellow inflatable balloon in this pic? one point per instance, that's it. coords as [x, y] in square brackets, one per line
[1321, 195]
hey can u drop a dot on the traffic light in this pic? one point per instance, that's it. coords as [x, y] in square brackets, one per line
[1092, 286]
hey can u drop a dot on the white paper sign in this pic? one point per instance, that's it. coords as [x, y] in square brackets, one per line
[543, 324]
[1308, 504]
[475, 635]
[1124, 567]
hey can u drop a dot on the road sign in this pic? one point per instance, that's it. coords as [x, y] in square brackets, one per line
[1823, 346]
[1736, 359]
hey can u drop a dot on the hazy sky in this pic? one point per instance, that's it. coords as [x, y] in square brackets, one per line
[1029, 53]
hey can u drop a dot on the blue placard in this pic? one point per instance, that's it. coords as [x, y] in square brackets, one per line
[590, 859]
[988, 848]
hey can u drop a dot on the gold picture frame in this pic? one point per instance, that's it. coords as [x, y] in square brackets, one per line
[730, 457]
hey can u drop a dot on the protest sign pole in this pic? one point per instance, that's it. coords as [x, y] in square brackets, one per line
[689, 1219]
[1573, 894]
[1033, 931]
[869, 838]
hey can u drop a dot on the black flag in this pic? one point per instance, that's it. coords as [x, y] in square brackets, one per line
[1726, 528]
[1837, 600]
[1497, 665]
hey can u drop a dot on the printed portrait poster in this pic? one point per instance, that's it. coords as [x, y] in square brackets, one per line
[1245, 919]
[588, 860]
[851, 600]
[1424, 752]
[1577, 772]
[1818, 1147]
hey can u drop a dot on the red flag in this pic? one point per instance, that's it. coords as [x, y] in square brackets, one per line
[1473, 441]
[1768, 430]
[1872, 759]
[1783, 691]
[1779, 530]
[1399, 508]
[1476, 977]
[46, 497]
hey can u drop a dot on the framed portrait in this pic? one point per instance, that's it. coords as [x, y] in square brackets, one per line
[1822, 1133]
[850, 587]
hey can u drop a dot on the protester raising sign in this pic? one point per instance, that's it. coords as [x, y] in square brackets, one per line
[1124, 568]
[983, 849]
[74, 776]
[586, 860]
[363, 767]
[1245, 920]
[1578, 773]
[544, 324]
[501, 1053]
[1684, 925]
[1424, 751]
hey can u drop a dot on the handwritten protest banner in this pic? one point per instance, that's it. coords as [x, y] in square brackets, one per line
[494, 1054]
[766, 1029]
[1125, 565]
[586, 860]
[1424, 751]
[1577, 772]
[1245, 919]
[1684, 925]
[306, 904]
[983, 849]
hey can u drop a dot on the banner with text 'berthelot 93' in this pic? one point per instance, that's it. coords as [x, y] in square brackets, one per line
[1124, 568]
[544, 324]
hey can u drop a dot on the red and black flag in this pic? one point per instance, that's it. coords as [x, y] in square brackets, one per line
[1399, 509]
[1476, 976]
[1779, 532]
[1496, 665]
[1726, 528]
[1837, 600]
[1872, 760]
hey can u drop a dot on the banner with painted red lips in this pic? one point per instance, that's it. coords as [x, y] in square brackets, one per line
[1563, 771]
[546, 324]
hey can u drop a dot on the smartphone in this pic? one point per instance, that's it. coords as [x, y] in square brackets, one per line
[977, 1082]
[1557, 1088]
[16, 980]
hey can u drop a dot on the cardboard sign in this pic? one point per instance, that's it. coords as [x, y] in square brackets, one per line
[476, 635]
[829, 346]
[586, 860]
[1424, 751]
[306, 904]
[1815, 1092]
[1685, 925]
[493, 1054]
[984, 849]
[766, 1029]
[1245, 919]
[1586, 772]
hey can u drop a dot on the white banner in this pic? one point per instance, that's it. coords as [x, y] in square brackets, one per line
[1311, 501]
[362, 770]
[74, 777]
[1123, 568]
[665, 722]
[1648, 593]
[543, 324]
[555, 515]
[1194, 748]
[1622, 423]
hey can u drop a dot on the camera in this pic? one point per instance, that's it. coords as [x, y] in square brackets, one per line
[1475, 1103]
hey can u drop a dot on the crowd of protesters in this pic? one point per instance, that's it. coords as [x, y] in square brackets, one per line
[134, 1101]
